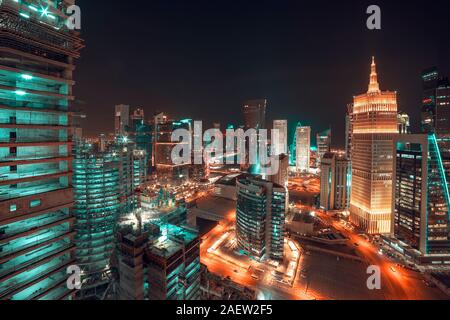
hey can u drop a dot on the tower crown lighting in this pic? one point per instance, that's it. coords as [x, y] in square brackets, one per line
[374, 86]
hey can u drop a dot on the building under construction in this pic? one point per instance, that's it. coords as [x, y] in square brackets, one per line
[157, 260]
[105, 186]
[37, 60]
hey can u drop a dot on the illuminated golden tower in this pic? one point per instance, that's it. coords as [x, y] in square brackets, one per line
[374, 125]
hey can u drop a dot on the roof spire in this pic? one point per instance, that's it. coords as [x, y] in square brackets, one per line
[374, 86]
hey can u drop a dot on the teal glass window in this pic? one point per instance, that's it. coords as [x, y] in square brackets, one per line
[35, 203]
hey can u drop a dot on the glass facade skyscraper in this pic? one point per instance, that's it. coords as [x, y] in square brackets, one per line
[323, 143]
[334, 182]
[97, 188]
[421, 199]
[260, 218]
[37, 57]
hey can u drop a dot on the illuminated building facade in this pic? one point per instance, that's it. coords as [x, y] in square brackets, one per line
[254, 112]
[37, 59]
[323, 142]
[303, 149]
[260, 218]
[98, 204]
[141, 134]
[121, 119]
[281, 146]
[349, 117]
[421, 205]
[334, 182]
[281, 177]
[374, 125]
[436, 112]
[436, 102]
[163, 146]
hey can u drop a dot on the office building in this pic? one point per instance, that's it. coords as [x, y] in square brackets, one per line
[349, 118]
[166, 169]
[260, 218]
[37, 60]
[281, 146]
[254, 112]
[281, 177]
[436, 102]
[140, 133]
[323, 143]
[374, 125]
[122, 120]
[421, 203]
[334, 181]
[303, 149]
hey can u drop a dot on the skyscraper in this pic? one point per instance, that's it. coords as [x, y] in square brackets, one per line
[166, 169]
[98, 203]
[334, 182]
[281, 146]
[421, 203]
[282, 175]
[254, 112]
[430, 79]
[260, 218]
[37, 59]
[121, 119]
[374, 125]
[303, 149]
[349, 117]
[141, 134]
[323, 142]
[436, 113]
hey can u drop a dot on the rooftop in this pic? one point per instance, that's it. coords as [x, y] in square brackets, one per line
[171, 240]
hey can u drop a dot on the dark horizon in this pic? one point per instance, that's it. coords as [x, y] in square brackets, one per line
[202, 60]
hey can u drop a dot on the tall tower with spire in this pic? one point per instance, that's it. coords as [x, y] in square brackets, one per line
[374, 126]
[374, 86]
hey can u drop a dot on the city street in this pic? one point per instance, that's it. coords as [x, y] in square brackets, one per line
[397, 283]
[319, 275]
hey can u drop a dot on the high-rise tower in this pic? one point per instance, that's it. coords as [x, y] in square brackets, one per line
[374, 125]
[37, 56]
[260, 218]
[121, 119]
[255, 114]
[303, 149]
[281, 146]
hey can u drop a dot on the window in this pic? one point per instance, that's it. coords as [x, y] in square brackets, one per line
[13, 208]
[35, 203]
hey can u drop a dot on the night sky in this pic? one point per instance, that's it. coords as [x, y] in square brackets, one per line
[201, 59]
